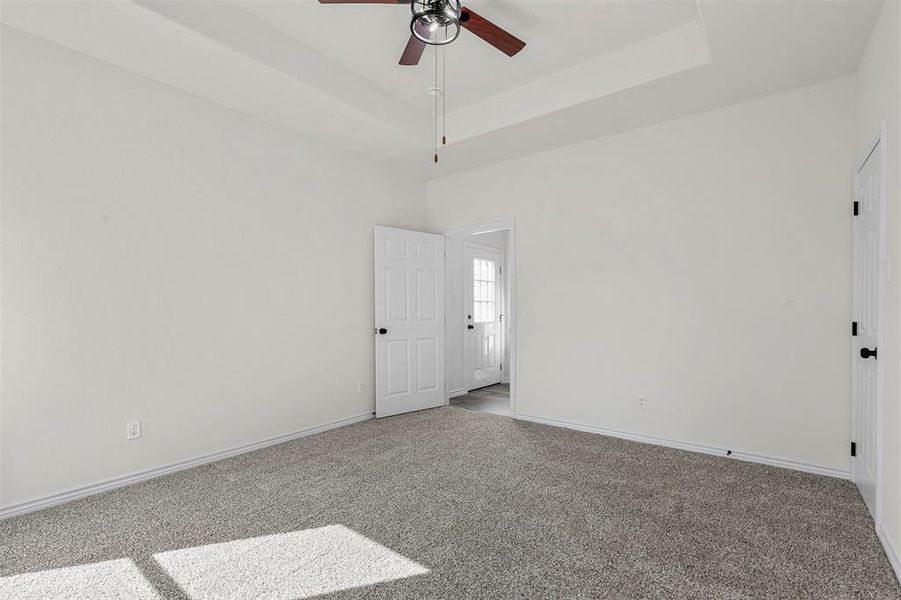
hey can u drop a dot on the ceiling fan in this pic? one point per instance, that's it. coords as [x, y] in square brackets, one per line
[438, 22]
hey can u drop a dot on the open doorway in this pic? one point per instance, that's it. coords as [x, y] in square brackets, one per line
[479, 325]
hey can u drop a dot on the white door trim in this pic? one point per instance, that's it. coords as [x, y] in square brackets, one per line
[884, 272]
[477, 246]
[508, 225]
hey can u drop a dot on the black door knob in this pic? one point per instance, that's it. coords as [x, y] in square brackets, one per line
[470, 327]
[867, 353]
[383, 331]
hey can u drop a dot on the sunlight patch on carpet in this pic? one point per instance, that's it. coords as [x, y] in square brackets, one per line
[285, 566]
[118, 578]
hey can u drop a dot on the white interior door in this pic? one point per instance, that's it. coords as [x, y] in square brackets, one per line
[869, 257]
[409, 321]
[483, 347]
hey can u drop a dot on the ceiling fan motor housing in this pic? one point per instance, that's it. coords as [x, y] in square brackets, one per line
[436, 22]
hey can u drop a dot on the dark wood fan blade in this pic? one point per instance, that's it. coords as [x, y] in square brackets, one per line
[506, 42]
[415, 47]
[412, 53]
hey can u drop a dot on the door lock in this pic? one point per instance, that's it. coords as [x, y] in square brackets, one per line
[381, 331]
[470, 327]
[867, 353]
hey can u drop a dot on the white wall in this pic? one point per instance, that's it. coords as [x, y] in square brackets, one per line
[704, 262]
[879, 99]
[169, 260]
[456, 304]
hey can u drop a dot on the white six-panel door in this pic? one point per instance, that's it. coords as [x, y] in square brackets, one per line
[869, 256]
[483, 350]
[409, 321]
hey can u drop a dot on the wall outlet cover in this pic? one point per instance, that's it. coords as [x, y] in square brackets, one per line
[133, 430]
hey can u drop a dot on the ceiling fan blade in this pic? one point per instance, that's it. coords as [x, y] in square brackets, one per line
[506, 42]
[415, 47]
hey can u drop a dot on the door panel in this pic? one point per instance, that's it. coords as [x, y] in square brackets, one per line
[427, 360]
[396, 295]
[868, 289]
[426, 295]
[409, 321]
[483, 322]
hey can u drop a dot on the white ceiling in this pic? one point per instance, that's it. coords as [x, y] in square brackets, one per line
[591, 67]
[558, 34]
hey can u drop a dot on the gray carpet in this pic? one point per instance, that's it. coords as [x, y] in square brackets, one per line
[451, 503]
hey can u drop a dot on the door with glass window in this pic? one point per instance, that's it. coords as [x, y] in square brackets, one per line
[484, 316]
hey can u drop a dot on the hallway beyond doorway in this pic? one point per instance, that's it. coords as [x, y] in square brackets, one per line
[493, 399]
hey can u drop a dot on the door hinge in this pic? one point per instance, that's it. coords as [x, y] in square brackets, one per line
[502, 366]
[853, 328]
[853, 448]
[856, 208]
[500, 270]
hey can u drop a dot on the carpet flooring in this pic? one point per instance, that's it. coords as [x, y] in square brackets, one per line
[452, 503]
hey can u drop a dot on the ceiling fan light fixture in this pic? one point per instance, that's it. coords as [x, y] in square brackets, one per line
[435, 22]
[438, 23]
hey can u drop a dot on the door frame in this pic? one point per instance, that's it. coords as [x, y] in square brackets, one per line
[881, 295]
[508, 225]
[502, 288]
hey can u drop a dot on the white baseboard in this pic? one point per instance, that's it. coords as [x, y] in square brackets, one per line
[890, 551]
[692, 447]
[117, 482]
[455, 393]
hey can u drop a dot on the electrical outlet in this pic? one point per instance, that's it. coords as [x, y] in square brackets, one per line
[361, 387]
[524, 291]
[133, 430]
[642, 402]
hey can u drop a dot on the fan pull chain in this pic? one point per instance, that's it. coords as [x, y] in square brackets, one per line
[437, 91]
[443, 96]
